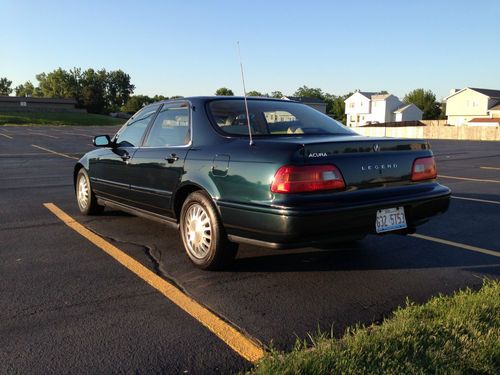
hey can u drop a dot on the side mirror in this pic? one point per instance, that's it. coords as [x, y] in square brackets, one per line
[101, 141]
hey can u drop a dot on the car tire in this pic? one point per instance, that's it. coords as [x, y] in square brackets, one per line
[85, 197]
[203, 235]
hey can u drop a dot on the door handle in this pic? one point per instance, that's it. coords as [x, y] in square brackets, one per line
[171, 158]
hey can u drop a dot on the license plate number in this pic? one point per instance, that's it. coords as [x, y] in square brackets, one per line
[390, 219]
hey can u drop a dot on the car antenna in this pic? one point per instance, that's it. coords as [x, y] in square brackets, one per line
[245, 96]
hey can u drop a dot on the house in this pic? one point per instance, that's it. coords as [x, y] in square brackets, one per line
[363, 108]
[21, 103]
[465, 105]
[315, 103]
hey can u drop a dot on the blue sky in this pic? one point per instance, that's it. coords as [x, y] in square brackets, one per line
[189, 47]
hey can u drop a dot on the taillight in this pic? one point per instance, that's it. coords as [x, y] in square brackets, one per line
[423, 169]
[301, 179]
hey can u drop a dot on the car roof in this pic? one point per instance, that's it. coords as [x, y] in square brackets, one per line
[209, 98]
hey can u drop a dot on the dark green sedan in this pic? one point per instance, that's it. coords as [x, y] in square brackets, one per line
[272, 173]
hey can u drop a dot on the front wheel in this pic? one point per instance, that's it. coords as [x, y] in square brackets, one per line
[87, 202]
[203, 234]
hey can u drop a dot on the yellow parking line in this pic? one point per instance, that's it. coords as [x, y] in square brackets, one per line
[55, 152]
[475, 200]
[6, 136]
[494, 168]
[468, 179]
[457, 244]
[236, 340]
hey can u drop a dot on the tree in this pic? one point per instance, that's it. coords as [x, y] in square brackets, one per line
[26, 89]
[118, 89]
[277, 94]
[254, 93]
[426, 101]
[5, 86]
[94, 90]
[158, 98]
[309, 92]
[224, 91]
[56, 84]
[136, 102]
[337, 109]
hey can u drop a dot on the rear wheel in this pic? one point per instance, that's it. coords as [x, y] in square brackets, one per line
[203, 234]
[87, 202]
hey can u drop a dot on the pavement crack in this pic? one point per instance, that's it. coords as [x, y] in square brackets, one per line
[153, 255]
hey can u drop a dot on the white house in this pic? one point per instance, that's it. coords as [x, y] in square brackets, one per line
[363, 108]
[470, 105]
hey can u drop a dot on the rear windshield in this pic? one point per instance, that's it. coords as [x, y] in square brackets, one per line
[271, 117]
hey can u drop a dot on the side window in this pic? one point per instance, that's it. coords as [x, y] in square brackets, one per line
[171, 126]
[131, 133]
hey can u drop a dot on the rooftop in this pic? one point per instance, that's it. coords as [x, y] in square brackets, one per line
[485, 119]
[30, 99]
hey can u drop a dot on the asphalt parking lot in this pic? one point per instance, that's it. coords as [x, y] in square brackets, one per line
[68, 306]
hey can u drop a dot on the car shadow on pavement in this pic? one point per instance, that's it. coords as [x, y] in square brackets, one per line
[361, 257]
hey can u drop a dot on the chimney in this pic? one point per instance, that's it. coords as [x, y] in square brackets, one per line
[453, 91]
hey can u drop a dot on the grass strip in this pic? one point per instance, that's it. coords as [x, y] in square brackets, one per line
[458, 334]
[56, 118]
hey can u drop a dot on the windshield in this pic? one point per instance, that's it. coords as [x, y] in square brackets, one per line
[272, 117]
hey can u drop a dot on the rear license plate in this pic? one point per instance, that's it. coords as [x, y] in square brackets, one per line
[390, 219]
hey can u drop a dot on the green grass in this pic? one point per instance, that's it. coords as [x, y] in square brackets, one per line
[56, 118]
[447, 335]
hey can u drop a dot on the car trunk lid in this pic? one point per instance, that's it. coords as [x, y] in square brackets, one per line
[367, 162]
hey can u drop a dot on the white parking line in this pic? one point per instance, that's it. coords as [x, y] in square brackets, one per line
[55, 152]
[43, 135]
[468, 179]
[493, 168]
[457, 244]
[81, 135]
[475, 200]
[6, 136]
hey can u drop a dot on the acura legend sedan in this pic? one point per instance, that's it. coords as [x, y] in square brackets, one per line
[267, 172]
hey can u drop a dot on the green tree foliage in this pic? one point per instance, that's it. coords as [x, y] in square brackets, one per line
[224, 91]
[335, 105]
[277, 94]
[5, 86]
[159, 98]
[254, 93]
[118, 88]
[309, 92]
[97, 91]
[442, 107]
[94, 90]
[136, 102]
[26, 89]
[426, 101]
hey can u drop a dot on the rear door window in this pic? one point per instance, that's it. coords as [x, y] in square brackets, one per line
[171, 126]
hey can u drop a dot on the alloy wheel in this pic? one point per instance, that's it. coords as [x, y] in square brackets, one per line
[197, 231]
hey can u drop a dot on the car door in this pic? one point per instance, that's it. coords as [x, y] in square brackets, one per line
[158, 165]
[110, 171]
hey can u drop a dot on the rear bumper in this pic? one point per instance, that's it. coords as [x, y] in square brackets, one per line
[344, 219]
